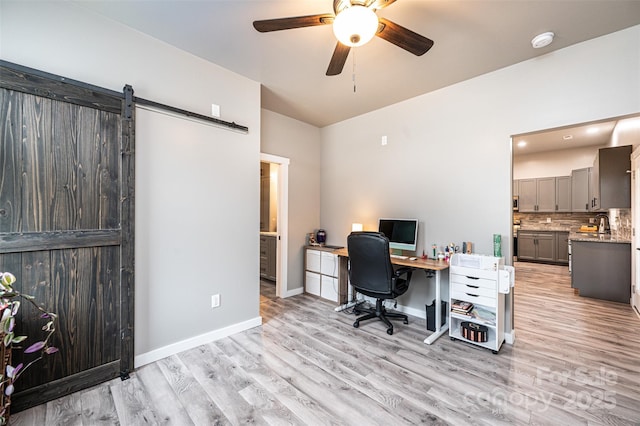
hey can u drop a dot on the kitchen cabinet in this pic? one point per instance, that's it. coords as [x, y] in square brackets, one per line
[601, 270]
[515, 187]
[268, 245]
[536, 246]
[543, 246]
[563, 194]
[321, 273]
[527, 195]
[611, 178]
[580, 193]
[562, 247]
[548, 194]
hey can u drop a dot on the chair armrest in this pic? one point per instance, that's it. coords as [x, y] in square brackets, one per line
[402, 271]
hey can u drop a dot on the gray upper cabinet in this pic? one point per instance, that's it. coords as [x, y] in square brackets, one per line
[580, 196]
[527, 195]
[563, 193]
[612, 178]
[550, 194]
[594, 184]
[546, 194]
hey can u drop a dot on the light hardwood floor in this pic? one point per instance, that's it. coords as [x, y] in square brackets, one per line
[576, 361]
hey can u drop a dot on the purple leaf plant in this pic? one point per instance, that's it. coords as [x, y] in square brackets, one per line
[9, 307]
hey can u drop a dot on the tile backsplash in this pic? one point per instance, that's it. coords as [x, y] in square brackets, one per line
[619, 221]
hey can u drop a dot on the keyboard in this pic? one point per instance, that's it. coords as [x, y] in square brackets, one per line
[398, 256]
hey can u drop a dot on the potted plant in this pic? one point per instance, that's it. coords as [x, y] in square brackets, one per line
[10, 300]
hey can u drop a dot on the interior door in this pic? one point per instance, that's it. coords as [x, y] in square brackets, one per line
[635, 235]
[66, 226]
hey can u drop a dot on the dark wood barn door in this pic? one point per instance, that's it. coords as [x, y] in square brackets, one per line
[66, 225]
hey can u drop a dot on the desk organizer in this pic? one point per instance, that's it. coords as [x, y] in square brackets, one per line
[474, 332]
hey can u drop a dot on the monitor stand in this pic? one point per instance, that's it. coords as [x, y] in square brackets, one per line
[397, 252]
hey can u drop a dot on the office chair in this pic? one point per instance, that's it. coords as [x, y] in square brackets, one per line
[371, 273]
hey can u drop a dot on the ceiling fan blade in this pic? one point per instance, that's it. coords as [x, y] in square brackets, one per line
[379, 4]
[403, 37]
[278, 24]
[338, 59]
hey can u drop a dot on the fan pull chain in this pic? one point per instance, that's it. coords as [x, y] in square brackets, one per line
[353, 75]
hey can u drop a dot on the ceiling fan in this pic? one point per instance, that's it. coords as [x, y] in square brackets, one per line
[354, 23]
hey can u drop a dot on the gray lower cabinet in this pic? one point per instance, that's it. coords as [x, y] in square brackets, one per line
[562, 247]
[543, 246]
[268, 244]
[601, 270]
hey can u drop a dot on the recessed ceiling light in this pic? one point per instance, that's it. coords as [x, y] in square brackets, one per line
[567, 137]
[542, 40]
[522, 144]
[592, 130]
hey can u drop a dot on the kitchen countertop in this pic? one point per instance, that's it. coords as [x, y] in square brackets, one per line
[544, 228]
[574, 235]
[598, 238]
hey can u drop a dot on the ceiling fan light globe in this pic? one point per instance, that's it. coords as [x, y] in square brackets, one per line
[355, 26]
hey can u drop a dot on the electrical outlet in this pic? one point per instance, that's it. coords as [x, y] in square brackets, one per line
[215, 110]
[384, 140]
[215, 300]
[548, 220]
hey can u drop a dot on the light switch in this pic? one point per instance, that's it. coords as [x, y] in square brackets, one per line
[384, 140]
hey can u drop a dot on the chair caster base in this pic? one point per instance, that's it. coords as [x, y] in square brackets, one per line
[390, 331]
[356, 324]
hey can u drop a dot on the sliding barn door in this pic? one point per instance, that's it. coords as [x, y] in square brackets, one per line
[66, 226]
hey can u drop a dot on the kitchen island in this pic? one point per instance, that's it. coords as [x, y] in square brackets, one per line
[601, 266]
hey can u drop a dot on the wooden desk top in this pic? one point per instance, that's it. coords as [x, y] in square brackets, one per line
[433, 265]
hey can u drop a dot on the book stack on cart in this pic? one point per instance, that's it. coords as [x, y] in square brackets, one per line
[461, 307]
[476, 312]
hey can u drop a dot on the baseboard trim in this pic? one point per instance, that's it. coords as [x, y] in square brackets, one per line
[192, 342]
[510, 338]
[294, 292]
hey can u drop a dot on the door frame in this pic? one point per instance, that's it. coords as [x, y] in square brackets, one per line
[635, 224]
[282, 222]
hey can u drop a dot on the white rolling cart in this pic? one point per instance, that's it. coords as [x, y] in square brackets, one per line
[483, 282]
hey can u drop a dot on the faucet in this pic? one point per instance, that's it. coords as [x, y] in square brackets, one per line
[603, 228]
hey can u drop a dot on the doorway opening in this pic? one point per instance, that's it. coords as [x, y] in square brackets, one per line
[274, 221]
[562, 162]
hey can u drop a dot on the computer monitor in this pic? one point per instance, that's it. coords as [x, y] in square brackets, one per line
[402, 233]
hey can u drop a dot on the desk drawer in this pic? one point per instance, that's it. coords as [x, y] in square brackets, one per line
[472, 289]
[474, 298]
[473, 281]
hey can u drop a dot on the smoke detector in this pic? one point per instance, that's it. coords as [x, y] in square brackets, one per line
[542, 40]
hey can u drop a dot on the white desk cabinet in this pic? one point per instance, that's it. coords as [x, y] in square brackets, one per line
[472, 279]
[321, 273]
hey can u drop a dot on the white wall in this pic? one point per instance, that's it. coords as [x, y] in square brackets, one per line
[197, 187]
[300, 142]
[556, 163]
[448, 160]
